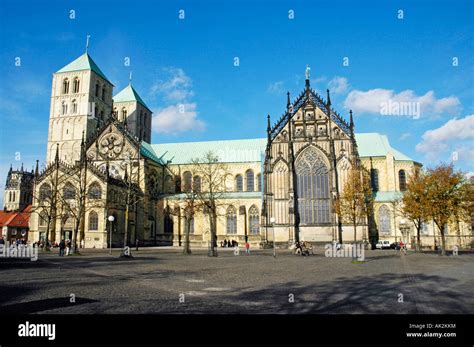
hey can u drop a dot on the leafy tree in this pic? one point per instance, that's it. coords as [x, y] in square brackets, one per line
[415, 202]
[447, 195]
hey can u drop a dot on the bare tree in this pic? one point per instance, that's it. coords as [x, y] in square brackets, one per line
[211, 196]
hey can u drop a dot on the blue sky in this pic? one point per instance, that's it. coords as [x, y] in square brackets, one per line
[190, 62]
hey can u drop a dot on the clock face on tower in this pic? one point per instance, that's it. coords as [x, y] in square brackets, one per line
[111, 146]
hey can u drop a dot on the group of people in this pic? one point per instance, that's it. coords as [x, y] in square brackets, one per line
[230, 244]
[64, 245]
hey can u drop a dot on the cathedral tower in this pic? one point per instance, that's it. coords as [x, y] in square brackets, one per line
[130, 109]
[81, 98]
[18, 189]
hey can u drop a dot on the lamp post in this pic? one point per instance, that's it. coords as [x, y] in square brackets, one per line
[111, 220]
[272, 221]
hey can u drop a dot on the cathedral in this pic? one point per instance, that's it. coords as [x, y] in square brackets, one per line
[107, 184]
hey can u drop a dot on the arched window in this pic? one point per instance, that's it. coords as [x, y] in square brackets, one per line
[250, 180]
[93, 221]
[374, 179]
[197, 184]
[69, 192]
[313, 188]
[177, 184]
[103, 92]
[95, 192]
[14, 197]
[239, 183]
[254, 220]
[259, 182]
[115, 112]
[124, 113]
[74, 106]
[231, 220]
[384, 220]
[187, 177]
[63, 107]
[10, 197]
[76, 85]
[45, 192]
[168, 183]
[402, 180]
[65, 86]
[97, 89]
[102, 115]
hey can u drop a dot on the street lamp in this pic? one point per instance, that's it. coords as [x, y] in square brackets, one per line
[272, 221]
[111, 220]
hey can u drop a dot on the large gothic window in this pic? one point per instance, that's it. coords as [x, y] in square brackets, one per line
[402, 180]
[95, 193]
[384, 220]
[45, 192]
[69, 192]
[250, 180]
[313, 188]
[254, 220]
[93, 221]
[374, 179]
[231, 220]
[259, 182]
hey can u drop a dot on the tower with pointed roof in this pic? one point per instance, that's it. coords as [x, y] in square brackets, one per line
[131, 110]
[18, 189]
[81, 99]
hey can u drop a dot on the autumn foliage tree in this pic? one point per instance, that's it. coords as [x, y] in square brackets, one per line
[415, 206]
[354, 200]
[447, 197]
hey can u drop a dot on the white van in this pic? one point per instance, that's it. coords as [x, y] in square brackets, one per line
[385, 244]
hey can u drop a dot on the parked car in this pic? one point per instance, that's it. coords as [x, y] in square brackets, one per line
[383, 244]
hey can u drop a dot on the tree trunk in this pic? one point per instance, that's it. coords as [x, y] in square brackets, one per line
[212, 217]
[418, 238]
[187, 246]
[443, 242]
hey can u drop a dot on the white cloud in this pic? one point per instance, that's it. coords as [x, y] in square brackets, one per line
[373, 101]
[177, 118]
[177, 87]
[338, 85]
[456, 135]
[275, 87]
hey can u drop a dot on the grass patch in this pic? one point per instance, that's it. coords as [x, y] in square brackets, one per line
[358, 261]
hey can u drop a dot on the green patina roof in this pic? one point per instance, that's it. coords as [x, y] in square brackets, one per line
[376, 145]
[229, 151]
[84, 62]
[388, 196]
[129, 94]
[235, 151]
[147, 151]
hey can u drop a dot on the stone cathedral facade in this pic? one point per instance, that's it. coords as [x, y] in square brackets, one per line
[100, 163]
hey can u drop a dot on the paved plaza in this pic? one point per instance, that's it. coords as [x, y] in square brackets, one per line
[162, 280]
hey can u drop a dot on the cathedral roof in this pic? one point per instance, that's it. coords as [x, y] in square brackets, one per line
[236, 151]
[84, 62]
[377, 145]
[129, 94]
[228, 151]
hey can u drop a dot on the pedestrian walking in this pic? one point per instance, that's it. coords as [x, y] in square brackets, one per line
[62, 245]
[247, 247]
[136, 244]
